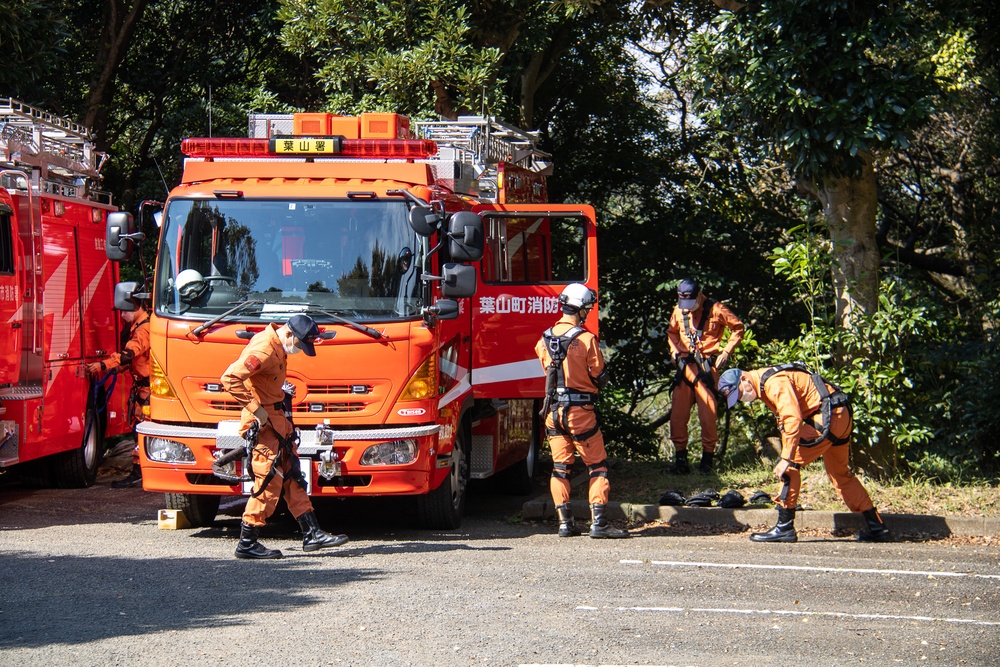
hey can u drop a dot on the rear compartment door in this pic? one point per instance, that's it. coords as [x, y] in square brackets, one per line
[532, 252]
[10, 298]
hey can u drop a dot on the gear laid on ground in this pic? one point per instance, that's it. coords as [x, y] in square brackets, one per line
[672, 498]
[703, 499]
[732, 499]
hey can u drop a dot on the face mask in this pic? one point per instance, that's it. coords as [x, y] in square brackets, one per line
[748, 396]
[290, 346]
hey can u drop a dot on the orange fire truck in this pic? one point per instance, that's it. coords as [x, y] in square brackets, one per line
[427, 256]
[56, 297]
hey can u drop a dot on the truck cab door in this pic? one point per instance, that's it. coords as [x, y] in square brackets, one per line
[532, 252]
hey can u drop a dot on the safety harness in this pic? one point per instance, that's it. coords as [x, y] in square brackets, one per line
[286, 447]
[557, 394]
[134, 398]
[704, 368]
[828, 402]
[703, 364]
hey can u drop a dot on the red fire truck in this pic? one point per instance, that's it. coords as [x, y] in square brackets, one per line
[427, 256]
[56, 296]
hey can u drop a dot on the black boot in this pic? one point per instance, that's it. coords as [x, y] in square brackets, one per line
[599, 527]
[313, 537]
[875, 530]
[134, 479]
[705, 467]
[249, 547]
[783, 531]
[567, 524]
[681, 465]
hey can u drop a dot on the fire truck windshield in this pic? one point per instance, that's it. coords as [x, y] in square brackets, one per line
[358, 258]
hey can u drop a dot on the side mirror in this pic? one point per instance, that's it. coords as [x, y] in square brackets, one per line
[458, 280]
[465, 237]
[423, 221]
[443, 309]
[123, 296]
[119, 232]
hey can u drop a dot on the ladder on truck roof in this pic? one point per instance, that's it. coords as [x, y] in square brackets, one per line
[59, 152]
[469, 148]
[479, 144]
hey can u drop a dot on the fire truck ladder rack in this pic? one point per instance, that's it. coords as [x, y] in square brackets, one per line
[60, 150]
[480, 143]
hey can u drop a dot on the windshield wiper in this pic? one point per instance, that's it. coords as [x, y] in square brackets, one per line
[343, 320]
[235, 309]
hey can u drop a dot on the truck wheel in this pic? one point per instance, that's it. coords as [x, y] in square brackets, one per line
[77, 469]
[199, 509]
[519, 479]
[443, 507]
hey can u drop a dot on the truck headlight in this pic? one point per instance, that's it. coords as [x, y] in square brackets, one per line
[168, 451]
[398, 452]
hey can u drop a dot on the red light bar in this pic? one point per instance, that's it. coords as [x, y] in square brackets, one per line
[389, 148]
[203, 147]
[412, 149]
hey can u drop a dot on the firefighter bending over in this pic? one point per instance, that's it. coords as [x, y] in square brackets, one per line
[255, 380]
[815, 419]
[575, 372]
[135, 357]
[695, 334]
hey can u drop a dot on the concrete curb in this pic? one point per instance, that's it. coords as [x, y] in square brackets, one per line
[742, 519]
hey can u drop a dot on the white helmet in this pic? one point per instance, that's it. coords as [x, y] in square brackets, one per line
[190, 285]
[578, 296]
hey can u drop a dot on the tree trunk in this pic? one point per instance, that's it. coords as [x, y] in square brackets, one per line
[849, 206]
[121, 20]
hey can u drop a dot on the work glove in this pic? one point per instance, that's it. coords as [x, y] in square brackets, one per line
[260, 414]
[720, 361]
[96, 368]
[760, 497]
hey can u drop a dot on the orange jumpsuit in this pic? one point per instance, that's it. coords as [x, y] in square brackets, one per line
[795, 401]
[691, 389]
[255, 380]
[583, 362]
[138, 347]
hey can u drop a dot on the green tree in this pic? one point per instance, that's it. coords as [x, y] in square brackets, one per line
[825, 87]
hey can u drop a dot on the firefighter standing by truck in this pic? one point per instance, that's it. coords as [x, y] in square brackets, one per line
[255, 381]
[575, 372]
[815, 419]
[695, 333]
[135, 357]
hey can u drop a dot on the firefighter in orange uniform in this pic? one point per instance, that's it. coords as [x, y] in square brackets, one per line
[815, 419]
[255, 380]
[135, 357]
[694, 334]
[575, 372]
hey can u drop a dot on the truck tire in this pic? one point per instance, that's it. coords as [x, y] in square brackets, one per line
[519, 479]
[442, 508]
[199, 509]
[77, 468]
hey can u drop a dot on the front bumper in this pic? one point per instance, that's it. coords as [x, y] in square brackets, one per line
[349, 445]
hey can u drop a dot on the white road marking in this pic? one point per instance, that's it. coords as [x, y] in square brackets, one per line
[781, 612]
[799, 568]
